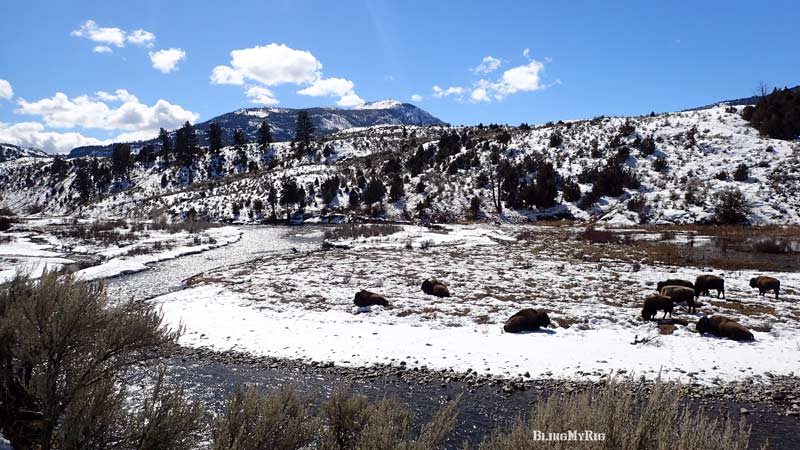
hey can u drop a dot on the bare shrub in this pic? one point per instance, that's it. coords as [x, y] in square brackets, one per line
[66, 357]
[355, 231]
[630, 417]
[596, 236]
[773, 246]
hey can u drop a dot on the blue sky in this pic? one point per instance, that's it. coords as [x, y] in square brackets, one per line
[141, 65]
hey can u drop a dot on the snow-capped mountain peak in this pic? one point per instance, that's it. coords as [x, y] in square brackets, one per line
[388, 103]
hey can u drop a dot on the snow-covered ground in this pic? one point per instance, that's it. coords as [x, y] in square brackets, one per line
[300, 306]
[42, 244]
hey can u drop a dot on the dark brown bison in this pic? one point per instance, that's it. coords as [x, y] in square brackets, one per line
[366, 298]
[654, 303]
[435, 287]
[704, 283]
[527, 320]
[674, 282]
[765, 284]
[724, 327]
[680, 294]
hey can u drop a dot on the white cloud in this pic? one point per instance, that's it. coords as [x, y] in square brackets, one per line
[107, 36]
[33, 134]
[526, 52]
[479, 95]
[167, 60]
[330, 87]
[456, 91]
[226, 75]
[416, 98]
[90, 30]
[62, 112]
[488, 64]
[5, 89]
[275, 64]
[142, 38]
[261, 67]
[261, 95]
[349, 100]
[121, 95]
[521, 78]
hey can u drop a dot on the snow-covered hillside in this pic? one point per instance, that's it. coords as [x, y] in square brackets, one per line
[674, 165]
[10, 152]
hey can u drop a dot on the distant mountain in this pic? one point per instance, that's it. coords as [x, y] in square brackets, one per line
[10, 152]
[282, 122]
[752, 100]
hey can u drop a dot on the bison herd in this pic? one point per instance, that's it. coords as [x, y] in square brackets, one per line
[670, 292]
[683, 291]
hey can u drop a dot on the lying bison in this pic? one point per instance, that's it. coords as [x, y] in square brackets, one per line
[366, 298]
[654, 303]
[527, 320]
[674, 282]
[724, 327]
[435, 287]
[680, 294]
[704, 283]
[765, 284]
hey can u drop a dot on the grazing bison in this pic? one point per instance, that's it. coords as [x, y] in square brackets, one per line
[655, 303]
[527, 320]
[435, 287]
[724, 327]
[765, 284]
[674, 282]
[680, 294]
[366, 298]
[705, 283]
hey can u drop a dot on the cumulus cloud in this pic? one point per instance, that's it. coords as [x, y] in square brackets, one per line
[33, 134]
[167, 60]
[226, 75]
[261, 95]
[5, 89]
[62, 112]
[416, 98]
[142, 38]
[107, 36]
[262, 67]
[479, 95]
[488, 64]
[456, 91]
[120, 95]
[526, 52]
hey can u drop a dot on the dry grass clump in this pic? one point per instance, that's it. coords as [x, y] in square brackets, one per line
[285, 420]
[356, 230]
[629, 417]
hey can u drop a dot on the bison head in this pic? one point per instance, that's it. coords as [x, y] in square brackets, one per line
[753, 282]
[703, 325]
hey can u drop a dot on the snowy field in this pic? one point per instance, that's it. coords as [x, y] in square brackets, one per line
[40, 244]
[300, 306]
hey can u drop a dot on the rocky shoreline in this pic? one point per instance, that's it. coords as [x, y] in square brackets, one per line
[770, 404]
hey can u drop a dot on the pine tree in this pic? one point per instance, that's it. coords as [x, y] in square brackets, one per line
[375, 191]
[397, 189]
[264, 135]
[272, 198]
[239, 143]
[214, 137]
[304, 129]
[166, 144]
[83, 182]
[121, 160]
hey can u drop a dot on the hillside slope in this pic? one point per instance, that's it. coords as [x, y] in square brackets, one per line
[282, 122]
[666, 168]
[10, 152]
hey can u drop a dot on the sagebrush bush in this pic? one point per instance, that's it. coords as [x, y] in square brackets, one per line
[630, 418]
[731, 207]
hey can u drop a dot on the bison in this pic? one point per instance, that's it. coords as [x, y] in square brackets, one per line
[674, 282]
[680, 294]
[704, 283]
[527, 320]
[435, 287]
[765, 284]
[366, 298]
[723, 327]
[655, 303]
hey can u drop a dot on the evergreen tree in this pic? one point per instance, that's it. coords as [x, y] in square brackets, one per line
[397, 190]
[264, 135]
[59, 167]
[353, 199]
[290, 192]
[304, 129]
[186, 144]
[240, 143]
[214, 137]
[121, 160]
[166, 144]
[83, 182]
[375, 191]
[272, 198]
